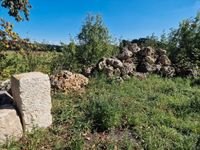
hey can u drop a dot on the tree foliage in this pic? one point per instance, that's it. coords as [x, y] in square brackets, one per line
[184, 43]
[94, 41]
[16, 8]
[8, 38]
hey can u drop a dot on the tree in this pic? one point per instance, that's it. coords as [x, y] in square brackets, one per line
[16, 8]
[8, 38]
[184, 43]
[94, 41]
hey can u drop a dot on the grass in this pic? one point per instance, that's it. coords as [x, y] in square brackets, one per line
[156, 113]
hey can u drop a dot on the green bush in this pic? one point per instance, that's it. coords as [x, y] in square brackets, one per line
[25, 61]
[67, 60]
[184, 43]
[94, 41]
[103, 114]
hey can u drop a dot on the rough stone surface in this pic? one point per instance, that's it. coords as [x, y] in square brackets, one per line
[164, 60]
[67, 81]
[31, 92]
[134, 48]
[167, 71]
[10, 125]
[114, 62]
[147, 51]
[125, 54]
[5, 86]
[135, 60]
[128, 69]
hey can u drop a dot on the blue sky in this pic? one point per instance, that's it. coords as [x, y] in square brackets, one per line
[55, 20]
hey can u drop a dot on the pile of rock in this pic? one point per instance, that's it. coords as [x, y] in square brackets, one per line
[135, 61]
[152, 61]
[67, 81]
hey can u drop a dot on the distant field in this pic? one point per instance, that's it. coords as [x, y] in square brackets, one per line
[156, 113]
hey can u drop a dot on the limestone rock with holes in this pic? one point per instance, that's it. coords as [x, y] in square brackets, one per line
[126, 54]
[134, 48]
[167, 71]
[10, 124]
[164, 60]
[67, 82]
[31, 93]
[114, 62]
[147, 51]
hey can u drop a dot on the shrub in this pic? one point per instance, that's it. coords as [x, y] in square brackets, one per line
[103, 114]
[67, 60]
[184, 43]
[94, 41]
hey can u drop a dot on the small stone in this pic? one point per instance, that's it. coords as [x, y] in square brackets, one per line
[126, 77]
[147, 51]
[134, 48]
[167, 71]
[126, 54]
[164, 60]
[114, 62]
[117, 72]
[149, 60]
[128, 69]
[146, 67]
[102, 64]
[109, 71]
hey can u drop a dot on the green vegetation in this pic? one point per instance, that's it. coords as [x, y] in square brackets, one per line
[155, 113]
[16, 8]
[184, 43]
[94, 41]
[25, 61]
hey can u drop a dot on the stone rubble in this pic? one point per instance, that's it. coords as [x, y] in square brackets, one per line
[67, 81]
[135, 60]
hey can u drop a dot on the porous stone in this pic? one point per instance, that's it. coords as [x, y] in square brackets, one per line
[102, 64]
[167, 71]
[126, 54]
[114, 62]
[147, 51]
[134, 48]
[10, 125]
[164, 60]
[67, 82]
[149, 60]
[128, 69]
[31, 92]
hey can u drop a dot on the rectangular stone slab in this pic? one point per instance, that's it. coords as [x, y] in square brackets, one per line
[31, 92]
